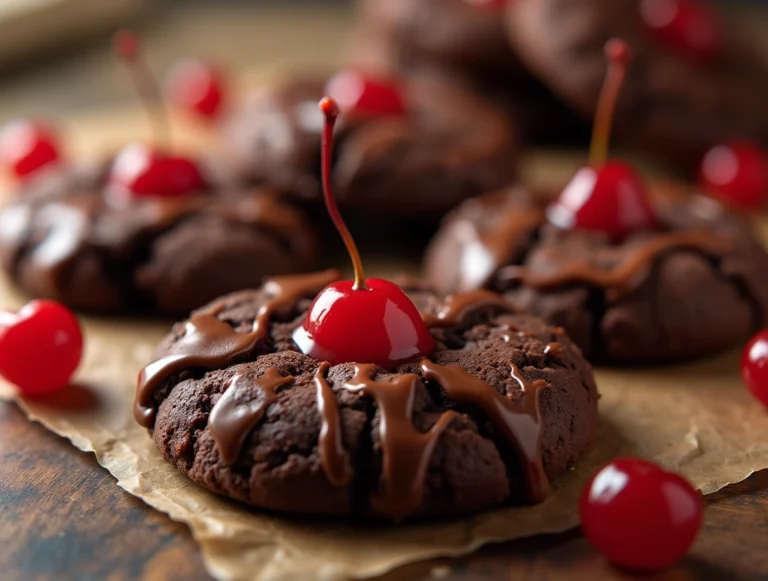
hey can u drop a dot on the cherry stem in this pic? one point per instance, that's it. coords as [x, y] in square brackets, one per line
[619, 55]
[127, 46]
[330, 109]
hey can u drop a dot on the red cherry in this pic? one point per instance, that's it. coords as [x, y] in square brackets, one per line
[195, 87]
[639, 515]
[376, 324]
[687, 26]
[754, 366]
[737, 172]
[140, 171]
[611, 199]
[359, 94]
[40, 347]
[365, 320]
[26, 146]
[606, 196]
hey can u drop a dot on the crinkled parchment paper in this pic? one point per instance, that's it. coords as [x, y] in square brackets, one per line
[697, 419]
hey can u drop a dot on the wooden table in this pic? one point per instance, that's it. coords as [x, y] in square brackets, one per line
[63, 518]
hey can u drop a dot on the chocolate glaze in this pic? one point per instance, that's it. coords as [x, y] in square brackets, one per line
[519, 420]
[626, 274]
[457, 305]
[333, 458]
[231, 420]
[209, 343]
[406, 451]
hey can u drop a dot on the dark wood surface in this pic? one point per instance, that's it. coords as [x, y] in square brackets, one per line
[63, 518]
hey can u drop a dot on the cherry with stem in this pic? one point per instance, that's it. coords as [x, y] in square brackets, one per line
[606, 195]
[367, 320]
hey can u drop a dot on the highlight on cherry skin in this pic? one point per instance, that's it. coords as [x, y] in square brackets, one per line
[40, 347]
[195, 87]
[754, 366]
[607, 195]
[639, 515]
[360, 94]
[367, 320]
[736, 172]
[27, 145]
[689, 27]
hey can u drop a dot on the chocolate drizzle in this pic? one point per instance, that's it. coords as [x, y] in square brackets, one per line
[519, 420]
[333, 458]
[622, 276]
[232, 418]
[210, 343]
[406, 451]
[456, 306]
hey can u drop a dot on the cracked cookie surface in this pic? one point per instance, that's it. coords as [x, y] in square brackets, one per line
[697, 286]
[61, 238]
[504, 404]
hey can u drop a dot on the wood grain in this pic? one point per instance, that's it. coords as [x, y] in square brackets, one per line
[64, 519]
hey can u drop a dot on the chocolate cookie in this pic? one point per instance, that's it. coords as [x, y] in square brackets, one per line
[676, 104]
[62, 237]
[455, 34]
[448, 146]
[696, 286]
[504, 404]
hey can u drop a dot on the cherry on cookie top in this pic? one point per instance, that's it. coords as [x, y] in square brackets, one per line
[368, 320]
[361, 94]
[691, 28]
[196, 88]
[607, 195]
[736, 172]
[27, 146]
[140, 170]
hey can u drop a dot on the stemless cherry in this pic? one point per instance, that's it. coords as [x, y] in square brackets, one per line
[139, 170]
[689, 27]
[365, 95]
[40, 347]
[365, 320]
[754, 366]
[736, 172]
[26, 146]
[195, 87]
[639, 515]
[605, 196]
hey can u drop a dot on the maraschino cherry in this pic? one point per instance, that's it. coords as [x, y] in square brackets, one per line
[754, 366]
[26, 146]
[605, 196]
[639, 515]
[40, 347]
[689, 27]
[368, 320]
[195, 87]
[140, 170]
[737, 173]
[358, 94]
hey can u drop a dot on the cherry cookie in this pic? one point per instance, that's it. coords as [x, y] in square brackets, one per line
[355, 398]
[631, 277]
[147, 230]
[694, 83]
[417, 146]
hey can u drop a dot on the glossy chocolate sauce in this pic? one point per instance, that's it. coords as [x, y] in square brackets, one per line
[518, 420]
[457, 305]
[406, 451]
[624, 275]
[209, 343]
[232, 418]
[333, 457]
